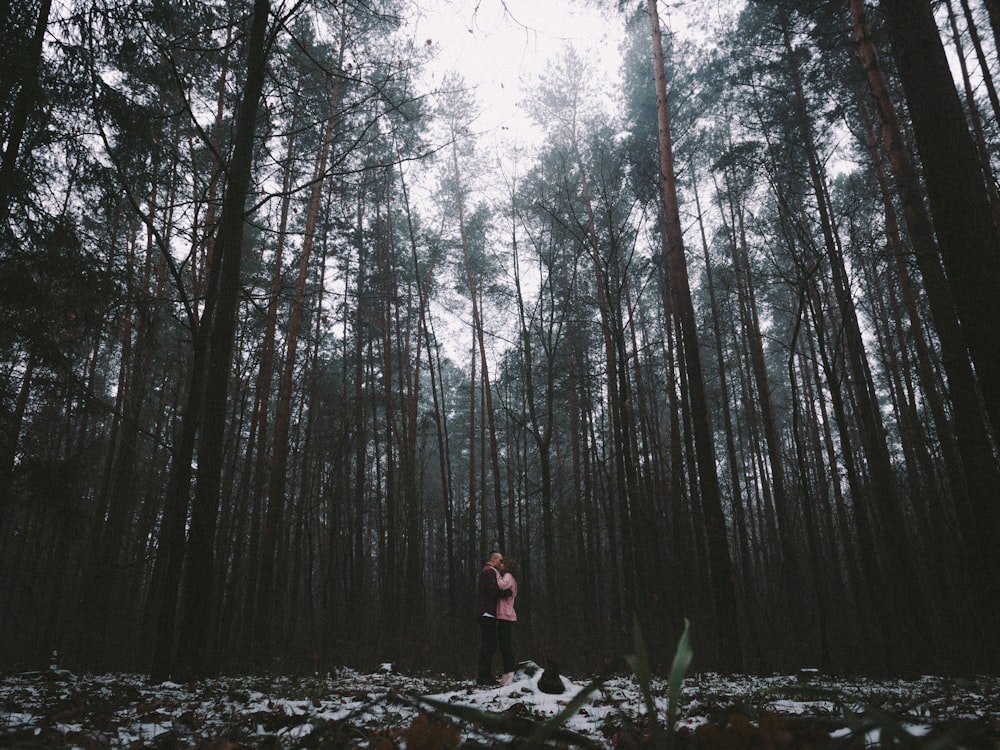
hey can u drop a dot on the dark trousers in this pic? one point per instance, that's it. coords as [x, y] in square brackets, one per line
[505, 638]
[487, 645]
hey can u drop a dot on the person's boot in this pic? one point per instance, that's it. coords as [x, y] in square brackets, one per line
[505, 680]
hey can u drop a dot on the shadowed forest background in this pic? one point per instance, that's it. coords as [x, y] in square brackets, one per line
[286, 346]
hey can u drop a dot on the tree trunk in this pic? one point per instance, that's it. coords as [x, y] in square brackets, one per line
[200, 573]
[892, 526]
[981, 59]
[745, 560]
[626, 540]
[975, 118]
[426, 334]
[977, 509]
[9, 442]
[963, 220]
[24, 106]
[267, 602]
[729, 651]
[540, 425]
[477, 324]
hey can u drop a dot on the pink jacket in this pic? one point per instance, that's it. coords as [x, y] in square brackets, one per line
[505, 607]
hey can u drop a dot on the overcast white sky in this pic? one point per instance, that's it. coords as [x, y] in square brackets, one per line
[499, 46]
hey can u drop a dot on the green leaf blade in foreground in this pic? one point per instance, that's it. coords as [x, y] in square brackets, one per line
[682, 660]
[640, 665]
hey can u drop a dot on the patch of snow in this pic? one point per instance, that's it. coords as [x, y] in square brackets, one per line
[297, 732]
[16, 720]
[798, 708]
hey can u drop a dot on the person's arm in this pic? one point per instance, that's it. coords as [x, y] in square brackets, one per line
[489, 578]
[502, 591]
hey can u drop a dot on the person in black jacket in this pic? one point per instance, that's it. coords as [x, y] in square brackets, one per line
[487, 593]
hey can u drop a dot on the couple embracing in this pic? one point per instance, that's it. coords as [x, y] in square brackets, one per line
[495, 595]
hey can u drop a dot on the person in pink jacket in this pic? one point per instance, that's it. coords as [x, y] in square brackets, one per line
[506, 617]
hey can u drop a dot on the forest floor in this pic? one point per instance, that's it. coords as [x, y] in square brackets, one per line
[57, 708]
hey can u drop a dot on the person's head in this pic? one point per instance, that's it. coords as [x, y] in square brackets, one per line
[509, 565]
[494, 559]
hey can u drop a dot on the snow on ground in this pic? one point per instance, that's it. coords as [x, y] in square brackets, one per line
[57, 708]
